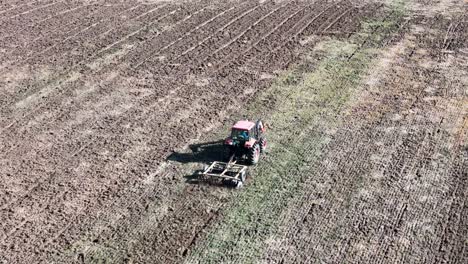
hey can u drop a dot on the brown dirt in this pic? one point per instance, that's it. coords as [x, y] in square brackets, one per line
[393, 185]
[94, 97]
[88, 134]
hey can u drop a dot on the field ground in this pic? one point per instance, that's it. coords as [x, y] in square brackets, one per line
[366, 104]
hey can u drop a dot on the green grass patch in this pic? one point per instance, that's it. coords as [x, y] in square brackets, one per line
[306, 105]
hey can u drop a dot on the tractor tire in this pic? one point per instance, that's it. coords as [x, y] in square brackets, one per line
[263, 144]
[253, 155]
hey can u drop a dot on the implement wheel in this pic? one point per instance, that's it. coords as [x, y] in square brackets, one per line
[241, 181]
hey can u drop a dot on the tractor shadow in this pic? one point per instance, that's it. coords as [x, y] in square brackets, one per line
[203, 153]
[200, 153]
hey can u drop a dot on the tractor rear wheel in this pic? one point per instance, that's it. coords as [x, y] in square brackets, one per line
[253, 155]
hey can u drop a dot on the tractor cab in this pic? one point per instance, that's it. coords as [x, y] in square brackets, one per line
[240, 135]
[242, 131]
[246, 140]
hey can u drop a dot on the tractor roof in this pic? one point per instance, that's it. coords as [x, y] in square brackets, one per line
[243, 125]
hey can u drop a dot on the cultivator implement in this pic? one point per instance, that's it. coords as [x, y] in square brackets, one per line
[227, 172]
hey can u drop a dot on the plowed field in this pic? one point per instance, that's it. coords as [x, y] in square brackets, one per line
[366, 105]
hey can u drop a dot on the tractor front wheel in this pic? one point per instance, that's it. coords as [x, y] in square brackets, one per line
[253, 154]
[263, 144]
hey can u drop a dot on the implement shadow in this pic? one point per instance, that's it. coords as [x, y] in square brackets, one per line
[204, 153]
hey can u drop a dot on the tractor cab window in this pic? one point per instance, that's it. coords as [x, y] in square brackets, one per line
[254, 132]
[238, 134]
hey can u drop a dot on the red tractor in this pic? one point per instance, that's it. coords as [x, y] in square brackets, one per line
[246, 142]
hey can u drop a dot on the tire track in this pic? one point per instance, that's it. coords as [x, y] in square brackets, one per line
[128, 36]
[244, 55]
[237, 39]
[206, 44]
[397, 169]
[22, 8]
[108, 28]
[34, 21]
[139, 64]
[74, 67]
[221, 30]
[457, 193]
[240, 37]
[207, 33]
[55, 32]
[297, 30]
[27, 49]
[92, 29]
[304, 250]
[242, 33]
[81, 147]
[294, 34]
[339, 17]
[451, 36]
[36, 9]
[109, 13]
